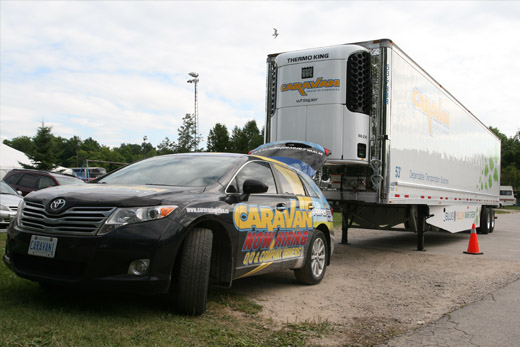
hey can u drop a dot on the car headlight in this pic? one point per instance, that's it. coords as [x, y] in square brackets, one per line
[130, 215]
[4, 208]
[19, 212]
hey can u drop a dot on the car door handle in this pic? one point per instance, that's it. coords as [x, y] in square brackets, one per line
[280, 206]
[310, 207]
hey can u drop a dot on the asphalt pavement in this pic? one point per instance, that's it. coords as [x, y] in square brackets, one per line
[493, 321]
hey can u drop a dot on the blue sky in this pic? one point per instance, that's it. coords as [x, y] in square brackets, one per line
[117, 71]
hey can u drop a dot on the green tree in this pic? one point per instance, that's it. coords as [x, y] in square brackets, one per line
[239, 142]
[67, 151]
[245, 139]
[218, 139]
[148, 150]
[22, 143]
[255, 138]
[510, 159]
[186, 141]
[43, 155]
[129, 153]
[166, 147]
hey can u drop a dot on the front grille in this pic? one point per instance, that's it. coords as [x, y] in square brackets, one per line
[79, 220]
[359, 89]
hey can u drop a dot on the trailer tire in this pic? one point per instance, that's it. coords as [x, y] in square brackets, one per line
[191, 278]
[485, 221]
[316, 260]
[492, 220]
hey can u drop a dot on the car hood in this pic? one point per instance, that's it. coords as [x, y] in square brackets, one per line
[10, 199]
[111, 195]
[305, 156]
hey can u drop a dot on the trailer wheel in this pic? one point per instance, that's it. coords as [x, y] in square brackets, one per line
[485, 221]
[492, 220]
[316, 259]
[191, 278]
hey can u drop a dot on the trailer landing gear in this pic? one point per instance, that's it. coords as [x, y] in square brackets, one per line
[421, 227]
[344, 228]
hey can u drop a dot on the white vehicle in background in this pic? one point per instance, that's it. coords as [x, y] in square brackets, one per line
[9, 200]
[507, 196]
[404, 150]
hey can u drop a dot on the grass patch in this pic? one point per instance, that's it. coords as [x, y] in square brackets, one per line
[32, 316]
[337, 219]
[516, 208]
[506, 209]
[501, 212]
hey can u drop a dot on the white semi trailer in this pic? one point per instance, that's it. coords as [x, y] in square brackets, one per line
[404, 150]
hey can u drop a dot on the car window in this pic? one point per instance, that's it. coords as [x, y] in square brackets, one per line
[45, 182]
[6, 189]
[13, 178]
[291, 183]
[28, 181]
[255, 170]
[174, 170]
[310, 190]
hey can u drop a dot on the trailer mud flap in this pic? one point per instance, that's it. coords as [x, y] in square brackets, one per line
[454, 218]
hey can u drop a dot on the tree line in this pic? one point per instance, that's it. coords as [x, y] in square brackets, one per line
[48, 151]
[510, 159]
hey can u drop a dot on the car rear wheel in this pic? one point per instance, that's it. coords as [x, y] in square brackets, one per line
[191, 278]
[315, 264]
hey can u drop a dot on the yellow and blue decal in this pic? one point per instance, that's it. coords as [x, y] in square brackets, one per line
[301, 87]
[433, 110]
[274, 235]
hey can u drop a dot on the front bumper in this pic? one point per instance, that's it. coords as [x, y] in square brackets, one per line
[100, 262]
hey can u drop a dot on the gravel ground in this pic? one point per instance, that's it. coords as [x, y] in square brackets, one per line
[370, 295]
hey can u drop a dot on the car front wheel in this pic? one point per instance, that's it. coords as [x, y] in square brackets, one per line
[191, 278]
[315, 264]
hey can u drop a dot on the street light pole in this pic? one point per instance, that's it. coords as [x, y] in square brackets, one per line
[195, 81]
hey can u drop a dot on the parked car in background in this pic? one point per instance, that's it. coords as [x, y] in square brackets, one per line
[26, 180]
[9, 201]
[507, 197]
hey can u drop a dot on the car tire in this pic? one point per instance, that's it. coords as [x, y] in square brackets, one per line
[485, 221]
[316, 260]
[191, 280]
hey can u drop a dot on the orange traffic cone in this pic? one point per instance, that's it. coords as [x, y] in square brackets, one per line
[473, 242]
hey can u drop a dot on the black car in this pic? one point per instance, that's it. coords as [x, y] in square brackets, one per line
[173, 224]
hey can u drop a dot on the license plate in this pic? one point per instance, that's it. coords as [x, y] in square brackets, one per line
[43, 246]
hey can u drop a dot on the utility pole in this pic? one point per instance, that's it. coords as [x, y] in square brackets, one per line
[195, 81]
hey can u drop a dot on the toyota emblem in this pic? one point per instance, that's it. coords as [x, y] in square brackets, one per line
[57, 204]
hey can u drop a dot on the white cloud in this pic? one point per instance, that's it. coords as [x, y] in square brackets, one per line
[117, 71]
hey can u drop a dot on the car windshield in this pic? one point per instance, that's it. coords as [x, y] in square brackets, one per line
[6, 189]
[63, 181]
[174, 170]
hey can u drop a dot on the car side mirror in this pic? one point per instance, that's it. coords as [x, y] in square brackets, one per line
[254, 187]
[19, 192]
[249, 187]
